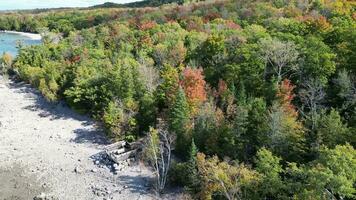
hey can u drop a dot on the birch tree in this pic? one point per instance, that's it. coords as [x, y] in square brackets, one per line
[159, 151]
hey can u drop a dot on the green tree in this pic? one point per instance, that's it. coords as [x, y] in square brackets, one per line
[193, 183]
[319, 60]
[286, 136]
[340, 164]
[268, 165]
[179, 122]
[331, 130]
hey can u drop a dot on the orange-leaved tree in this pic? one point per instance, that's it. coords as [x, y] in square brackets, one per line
[193, 84]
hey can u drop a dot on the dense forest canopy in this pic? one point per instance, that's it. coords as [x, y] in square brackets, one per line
[261, 95]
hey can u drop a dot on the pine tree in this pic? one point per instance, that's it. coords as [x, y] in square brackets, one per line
[178, 121]
[192, 169]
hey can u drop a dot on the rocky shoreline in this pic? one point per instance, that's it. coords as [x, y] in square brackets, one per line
[49, 152]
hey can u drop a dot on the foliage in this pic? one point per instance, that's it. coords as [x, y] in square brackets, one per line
[179, 122]
[5, 63]
[223, 179]
[193, 84]
[271, 171]
[267, 84]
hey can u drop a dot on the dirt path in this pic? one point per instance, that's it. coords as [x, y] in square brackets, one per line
[42, 144]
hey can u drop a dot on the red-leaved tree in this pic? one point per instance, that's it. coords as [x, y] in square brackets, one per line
[193, 84]
[286, 96]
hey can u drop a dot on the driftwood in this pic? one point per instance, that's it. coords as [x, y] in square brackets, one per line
[121, 151]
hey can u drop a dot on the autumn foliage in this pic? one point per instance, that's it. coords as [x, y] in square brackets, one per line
[193, 84]
[147, 25]
[286, 96]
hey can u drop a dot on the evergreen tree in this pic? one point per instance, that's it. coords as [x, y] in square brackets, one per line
[178, 121]
[192, 170]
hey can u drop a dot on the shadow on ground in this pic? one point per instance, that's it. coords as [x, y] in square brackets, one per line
[137, 184]
[90, 136]
[54, 110]
[60, 111]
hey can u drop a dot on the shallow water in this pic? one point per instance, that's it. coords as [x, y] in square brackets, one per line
[9, 42]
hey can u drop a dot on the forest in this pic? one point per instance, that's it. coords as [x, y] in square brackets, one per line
[256, 99]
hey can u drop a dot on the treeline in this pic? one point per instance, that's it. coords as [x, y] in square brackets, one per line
[65, 20]
[260, 95]
[139, 4]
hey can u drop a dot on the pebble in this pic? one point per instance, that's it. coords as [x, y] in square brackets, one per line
[78, 170]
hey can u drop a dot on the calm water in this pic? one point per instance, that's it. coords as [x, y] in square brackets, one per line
[32, 4]
[9, 42]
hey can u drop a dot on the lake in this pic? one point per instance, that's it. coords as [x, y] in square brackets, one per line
[33, 4]
[9, 42]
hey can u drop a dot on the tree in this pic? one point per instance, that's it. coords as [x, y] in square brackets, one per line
[340, 163]
[280, 56]
[193, 84]
[318, 60]
[345, 90]
[232, 181]
[331, 176]
[169, 86]
[193, 184]
[211, 54]
[212, 132]
[179, 121]
[5, 63]
[149, 76]
[240, 128]
[159, 152]
[257, 127]
[286, 95]
[268, 165]
[312, 96]
[286, 133]
[119, 120]
[331, 131]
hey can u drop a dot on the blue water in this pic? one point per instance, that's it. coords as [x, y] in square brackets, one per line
[10, 41]
[32, 4]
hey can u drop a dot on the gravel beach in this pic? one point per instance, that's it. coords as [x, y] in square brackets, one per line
[48, 149]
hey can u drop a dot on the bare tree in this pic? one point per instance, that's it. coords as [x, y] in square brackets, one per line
[346, 86]
[159, 151]
[312, 96]
[149, 76]
[282, 57]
